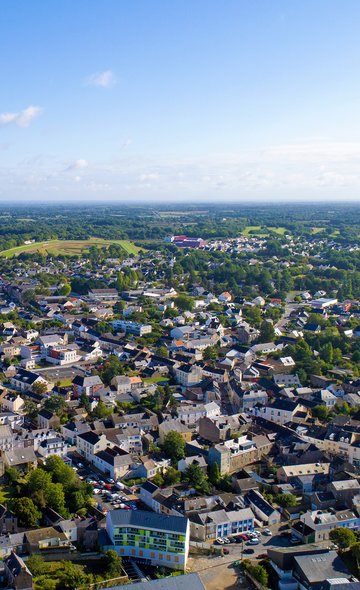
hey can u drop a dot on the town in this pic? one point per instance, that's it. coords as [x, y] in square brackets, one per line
[185, 413]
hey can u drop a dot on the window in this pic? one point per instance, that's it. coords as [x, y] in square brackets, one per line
[168, 558]
[133, 552]
[176, 559]
[122, 551]
[160, 555]
[141, 553]
[152, 555]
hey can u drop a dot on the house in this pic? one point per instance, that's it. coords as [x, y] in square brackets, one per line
[344, 491]
[88, 385]
[103, 295]
[233, 455]
[261, 508]
[12, 402]
[53, 446]
[156, 538]
[45, 538]
[188, 375]
[22, 459]
[72, 429]
[281, 411]
[90, 443]
[198, 460]
[225, 297]
[170, 425]
[8, 521]
[288, 473]
[25, 380]
[48, 420]
[122, 383]
[6, 438]
[17, 574]
[323, 522]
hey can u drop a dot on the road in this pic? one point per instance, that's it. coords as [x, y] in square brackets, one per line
[290, 306]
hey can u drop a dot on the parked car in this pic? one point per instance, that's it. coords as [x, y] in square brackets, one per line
[248, 551]
[80, 465]
[254, 542]
[232, 539]
[219, 541]
[226, 540]
[226, 551]
[267, 532]
[262, 556]
[110, 480]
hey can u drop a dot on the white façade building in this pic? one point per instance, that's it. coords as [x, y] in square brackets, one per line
[156, 539]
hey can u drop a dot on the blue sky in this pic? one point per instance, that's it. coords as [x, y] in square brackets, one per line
[179, 101]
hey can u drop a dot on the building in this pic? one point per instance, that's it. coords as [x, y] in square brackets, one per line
[132, 327]
[17, 574]
[48, 420]
[170, 425]
[90, 443]
[104, 294]
[262, 509]
[221, 523]
[25, 380]
[232, 455]
[188, 375]
[322, 522]
[188, 582]
[113, 462]
[146, 537]
[52, 446]
[288, 473]
[88, 385]
[6, 438]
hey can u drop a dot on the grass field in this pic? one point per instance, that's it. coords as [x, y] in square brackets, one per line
[69, 247]
[6, 494]
[263, 232]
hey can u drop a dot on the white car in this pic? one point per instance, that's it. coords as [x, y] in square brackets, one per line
[267, 532]
[226, 540]
[220, 541]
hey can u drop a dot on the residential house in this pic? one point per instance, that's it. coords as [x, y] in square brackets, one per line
[88, 385]
[48, 420]
[90, 443]
[221, 523]
[17, 574]
[262, 509]
[170, 425]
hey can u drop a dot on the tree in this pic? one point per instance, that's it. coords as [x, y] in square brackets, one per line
[174, 445]
[172, 476]
[65, 290]
[209, 353]
[327, 352]
[112, 563]
[55, 496]
[214, 474]
[55, 404]
[184, 303]
[60, 472]
[267, 333]
[36, 564]
[162, 351]
[12, 474]
[84, 402]
[321, 412]
[355, 550]
[102, 411]
[158, 479]
[28, 296]
[286, 500]
[259, 573]
[25, 510]
[343, 537]
[194, 475]
[40, 387]
[38, 480]
[71, 576]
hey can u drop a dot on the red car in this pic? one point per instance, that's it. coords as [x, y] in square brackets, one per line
[262, 556]
[107, 487]
[226, 551]
[245, 537]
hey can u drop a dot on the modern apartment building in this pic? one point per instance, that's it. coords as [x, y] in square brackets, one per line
[155, 539]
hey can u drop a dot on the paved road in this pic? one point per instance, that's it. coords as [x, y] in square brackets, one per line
[290, 306]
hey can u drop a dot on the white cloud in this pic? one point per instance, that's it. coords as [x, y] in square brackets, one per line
[77, 178]
[105, 79]
[126, 145]
[77, 165]
[22, 119]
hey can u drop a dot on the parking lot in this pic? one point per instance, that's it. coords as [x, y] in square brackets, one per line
[106, 494]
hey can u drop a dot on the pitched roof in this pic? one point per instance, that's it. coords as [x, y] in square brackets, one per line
[148, 520]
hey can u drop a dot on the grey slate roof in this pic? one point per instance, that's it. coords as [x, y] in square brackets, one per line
[151, 520]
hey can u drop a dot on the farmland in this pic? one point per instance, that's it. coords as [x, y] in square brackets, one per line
[69, 247]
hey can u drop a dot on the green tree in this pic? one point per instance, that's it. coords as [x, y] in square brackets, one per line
[355, 551]
[55, 404]
[60, 472]
[71, 576]
[162, 351]
[102, 411]
[112, 563]
[174, 445]
[37, 565]
[214, 474]
[327, 352]
[158, 479]
[40, 388]
[55, 496]
[321, 412]
[343, 537]
[209, 353]
[84, 402]
[286, 500]
[267, 333]
[184, 303]
[172, 476]
[25, 510]
[12, 475]
[38, 480]
[195, 476]
[65, 290]
[260, 574]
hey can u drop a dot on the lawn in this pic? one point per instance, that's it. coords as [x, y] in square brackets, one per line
[69, 247]
[255, 228]
[6, 494]
[156, 380]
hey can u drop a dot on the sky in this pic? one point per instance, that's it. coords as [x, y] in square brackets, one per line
[179, 101]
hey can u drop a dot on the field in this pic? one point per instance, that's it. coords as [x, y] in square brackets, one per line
[258, 231]
[69, 247]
